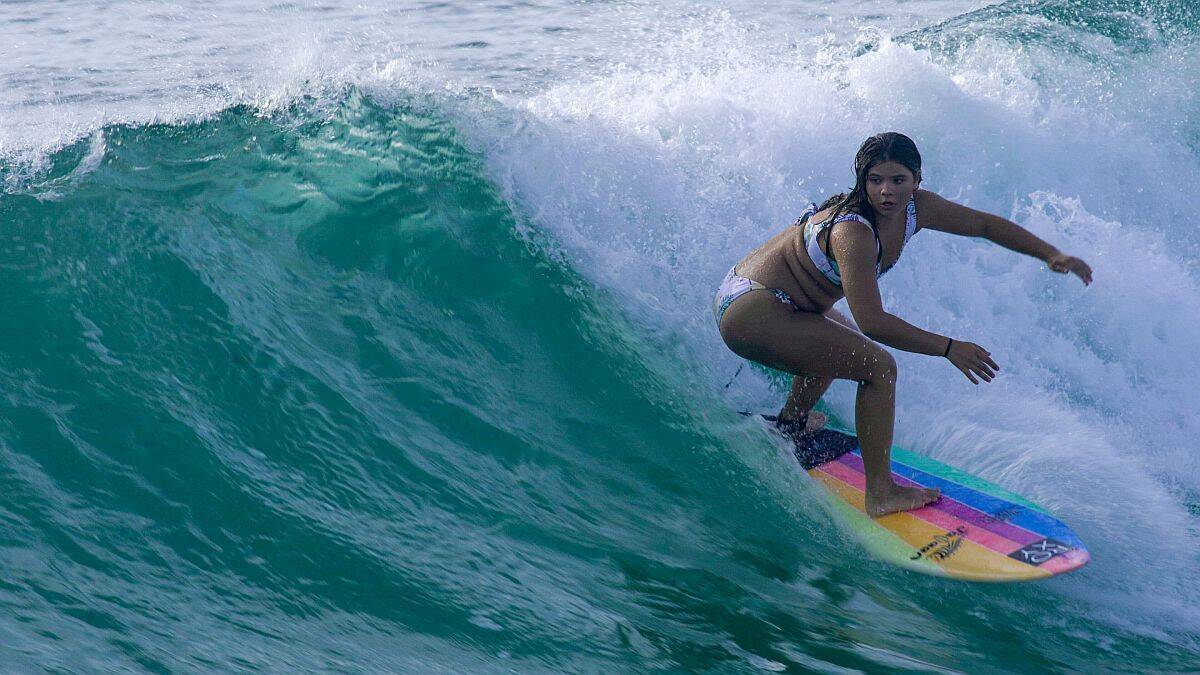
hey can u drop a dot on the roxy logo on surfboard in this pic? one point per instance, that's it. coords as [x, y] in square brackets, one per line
[1040, 551]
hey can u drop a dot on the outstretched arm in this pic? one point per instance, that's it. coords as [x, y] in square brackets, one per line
[938, 213]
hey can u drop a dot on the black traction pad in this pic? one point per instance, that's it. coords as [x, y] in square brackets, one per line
[819, 447]
[823, 446]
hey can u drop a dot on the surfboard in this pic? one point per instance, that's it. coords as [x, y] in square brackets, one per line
[976, 531]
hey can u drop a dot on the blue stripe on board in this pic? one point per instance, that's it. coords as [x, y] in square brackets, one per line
[1031, 520]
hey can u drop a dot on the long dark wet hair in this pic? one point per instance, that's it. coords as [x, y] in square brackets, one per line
[890, 146]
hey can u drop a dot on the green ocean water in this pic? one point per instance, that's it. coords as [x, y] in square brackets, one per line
[293, 391]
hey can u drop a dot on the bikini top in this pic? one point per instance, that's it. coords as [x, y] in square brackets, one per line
[825, 262]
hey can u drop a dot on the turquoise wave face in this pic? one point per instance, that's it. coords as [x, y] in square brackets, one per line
[294, 391]
[284, 383]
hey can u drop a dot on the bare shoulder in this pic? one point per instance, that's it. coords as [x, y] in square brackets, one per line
[932, 208]
[935, 212]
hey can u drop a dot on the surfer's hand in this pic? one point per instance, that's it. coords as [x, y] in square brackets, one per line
[1063, 263]
[973, 361]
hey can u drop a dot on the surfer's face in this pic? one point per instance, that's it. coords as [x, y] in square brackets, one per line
[889, 186]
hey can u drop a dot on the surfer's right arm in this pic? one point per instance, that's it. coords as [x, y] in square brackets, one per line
[853, 246]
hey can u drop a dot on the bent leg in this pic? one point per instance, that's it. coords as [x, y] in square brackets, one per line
[760, 328]
[808, 389]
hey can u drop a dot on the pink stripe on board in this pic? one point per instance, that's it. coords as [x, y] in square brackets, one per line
[968, 514]
[989, 540]
[844, 474]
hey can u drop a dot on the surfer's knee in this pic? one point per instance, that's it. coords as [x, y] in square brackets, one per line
[881, 370]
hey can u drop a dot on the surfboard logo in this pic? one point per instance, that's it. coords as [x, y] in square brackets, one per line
[942, 546]
[1039, 552]
[1003, 515]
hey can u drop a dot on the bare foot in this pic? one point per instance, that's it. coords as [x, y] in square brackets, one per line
[900, 498]
[789, 427]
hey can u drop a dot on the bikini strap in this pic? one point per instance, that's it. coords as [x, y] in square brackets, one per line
[853, 216]
[910, 219]
[808, 213]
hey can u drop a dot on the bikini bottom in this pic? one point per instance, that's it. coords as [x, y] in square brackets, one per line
[734, 287]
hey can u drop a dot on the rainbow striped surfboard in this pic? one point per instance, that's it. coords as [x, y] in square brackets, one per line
[975, 531]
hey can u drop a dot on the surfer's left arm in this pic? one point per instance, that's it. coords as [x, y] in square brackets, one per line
[939, 213]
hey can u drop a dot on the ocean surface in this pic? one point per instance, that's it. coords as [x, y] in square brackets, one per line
[371, 336]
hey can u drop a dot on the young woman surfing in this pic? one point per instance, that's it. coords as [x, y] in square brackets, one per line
[775, 306]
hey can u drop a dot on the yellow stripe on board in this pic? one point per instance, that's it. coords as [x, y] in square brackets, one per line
[956, 555]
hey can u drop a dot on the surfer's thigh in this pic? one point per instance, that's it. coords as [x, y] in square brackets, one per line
[760, 328]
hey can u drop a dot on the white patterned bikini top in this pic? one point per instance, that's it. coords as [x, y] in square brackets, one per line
[825, 262]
